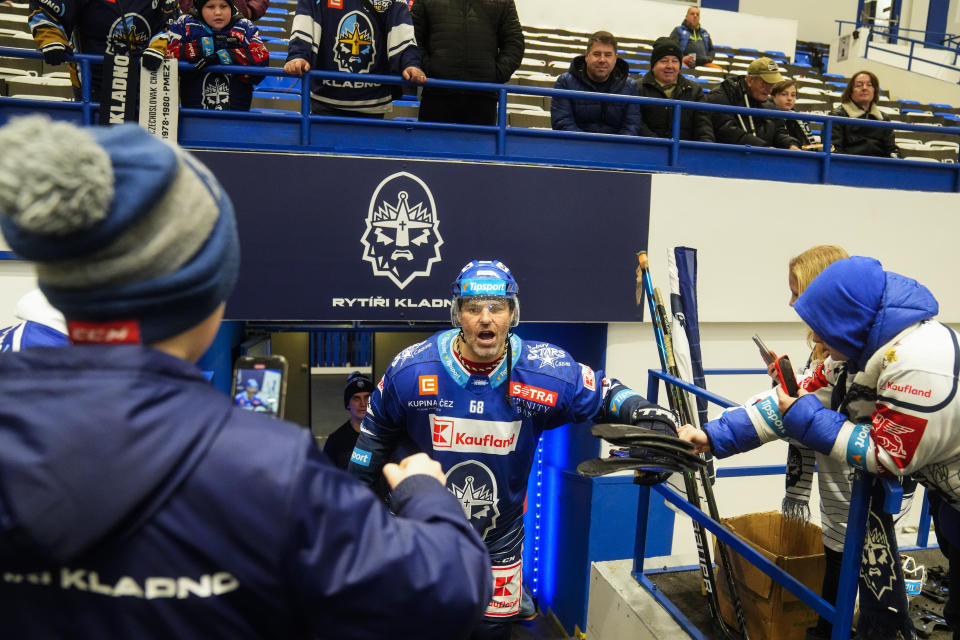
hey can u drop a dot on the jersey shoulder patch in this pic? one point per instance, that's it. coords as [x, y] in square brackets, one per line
[420, 352]
[547, 359]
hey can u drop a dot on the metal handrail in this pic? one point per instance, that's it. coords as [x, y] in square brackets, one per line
[894, 34]
[86, 106]
[841, 615]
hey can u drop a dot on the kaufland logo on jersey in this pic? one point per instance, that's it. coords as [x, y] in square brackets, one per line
[474, 436]
[534, 394]
[906, 389]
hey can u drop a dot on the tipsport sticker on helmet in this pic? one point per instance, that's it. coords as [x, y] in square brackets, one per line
[483, 287]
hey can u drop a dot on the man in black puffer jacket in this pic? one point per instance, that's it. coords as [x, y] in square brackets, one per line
[474, 40]
[600, 70]
[664, 80]
[751, 90]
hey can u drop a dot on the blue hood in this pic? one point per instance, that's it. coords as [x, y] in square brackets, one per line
[81, 456]
[857, 307]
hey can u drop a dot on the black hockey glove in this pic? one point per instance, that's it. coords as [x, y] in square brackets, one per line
[151, 59]
[55, 54]
[225, 42]
[206, 62]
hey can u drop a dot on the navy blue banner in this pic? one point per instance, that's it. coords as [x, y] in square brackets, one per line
[333, 238]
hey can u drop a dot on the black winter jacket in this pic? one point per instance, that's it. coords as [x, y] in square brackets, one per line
[476, 40]
[863, 141]
[658, 121]
[733, 128]
[590, 115]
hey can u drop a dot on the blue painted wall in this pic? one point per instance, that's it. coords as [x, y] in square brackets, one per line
[937, 20]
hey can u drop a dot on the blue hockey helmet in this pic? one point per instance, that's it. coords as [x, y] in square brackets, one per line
[485, 280]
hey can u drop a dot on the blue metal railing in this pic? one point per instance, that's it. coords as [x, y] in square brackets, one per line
[305, 132]
[911, 56]
[841, 615]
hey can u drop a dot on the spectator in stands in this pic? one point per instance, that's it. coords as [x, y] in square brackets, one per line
[252, 10]
[354, 36]
[176, 514]
[215, 33]
[96, 28]
[602, 71]
[859, 100]
[751, 90]
[356, 398]
[459, 41]
[784, 95]
[694, 41]
[664, 80]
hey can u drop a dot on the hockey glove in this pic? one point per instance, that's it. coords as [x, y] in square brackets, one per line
[151, 59]
[206, 62]
[226, 42]
[55, 54]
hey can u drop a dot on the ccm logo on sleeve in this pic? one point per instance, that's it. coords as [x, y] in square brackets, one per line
[474, 436]
[534, 394]
[897, 433]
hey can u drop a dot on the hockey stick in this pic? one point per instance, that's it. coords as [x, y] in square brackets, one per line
[678, 404]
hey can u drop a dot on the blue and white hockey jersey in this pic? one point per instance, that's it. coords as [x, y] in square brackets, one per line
[343, 35]
[485, 443]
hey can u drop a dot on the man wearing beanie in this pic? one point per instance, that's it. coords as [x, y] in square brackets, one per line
[753, 91]
[600, 70]
[356, 398]
[885, 401]
[664, 80]
[135, 500]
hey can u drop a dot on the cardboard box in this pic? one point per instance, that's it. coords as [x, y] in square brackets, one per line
[772, 612]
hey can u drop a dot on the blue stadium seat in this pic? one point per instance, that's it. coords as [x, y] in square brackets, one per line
[942, 106]
[835, 75]
[283, 84]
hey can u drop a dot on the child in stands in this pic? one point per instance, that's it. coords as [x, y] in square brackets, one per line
[215, 33]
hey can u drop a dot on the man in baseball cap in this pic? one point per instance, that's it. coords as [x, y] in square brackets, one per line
[753, 91]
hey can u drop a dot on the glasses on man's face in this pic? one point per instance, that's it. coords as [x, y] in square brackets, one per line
[863, 85]
[495, 307]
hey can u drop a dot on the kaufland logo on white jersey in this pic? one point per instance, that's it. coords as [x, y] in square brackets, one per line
[474, 436]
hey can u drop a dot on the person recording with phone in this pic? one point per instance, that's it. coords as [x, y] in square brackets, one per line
[136, 500]
[894, 410]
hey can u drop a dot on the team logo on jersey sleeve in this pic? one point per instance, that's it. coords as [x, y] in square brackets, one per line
[897, 433]
[473, 485]
[355, 50]
[546, 355]
[402, 240]
[589, 379]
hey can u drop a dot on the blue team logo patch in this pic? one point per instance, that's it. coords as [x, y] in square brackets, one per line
[402, 240]
[473, 485]
[128, 34]
[355, 50]
[483, 287]
[360, 457]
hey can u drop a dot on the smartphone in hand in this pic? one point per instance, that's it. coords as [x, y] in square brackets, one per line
[765, 353]
[788, 382]
[260, 384]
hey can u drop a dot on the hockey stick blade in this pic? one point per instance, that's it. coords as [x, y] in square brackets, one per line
[625, 434]
[603, 466]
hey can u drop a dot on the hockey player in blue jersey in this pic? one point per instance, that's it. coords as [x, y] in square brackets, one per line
[477, 399]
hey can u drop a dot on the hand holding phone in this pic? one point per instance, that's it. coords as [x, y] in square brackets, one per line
[788, 382]
[768, 356]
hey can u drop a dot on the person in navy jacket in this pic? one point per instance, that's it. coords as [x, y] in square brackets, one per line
[602, 71]
[135, 500]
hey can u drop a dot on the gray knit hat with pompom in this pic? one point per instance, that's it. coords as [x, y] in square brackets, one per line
[133, 239]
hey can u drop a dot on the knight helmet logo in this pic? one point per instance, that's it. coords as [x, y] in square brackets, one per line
[128, 34]
[354, 49]
[215, 91]
[473, 485]
[402, 240]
